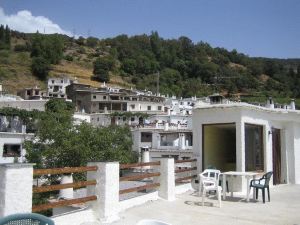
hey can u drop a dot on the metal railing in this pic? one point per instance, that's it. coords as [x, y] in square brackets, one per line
[49, 188]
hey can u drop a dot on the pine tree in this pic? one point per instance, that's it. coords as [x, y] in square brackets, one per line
[2, 37]
[7, 37]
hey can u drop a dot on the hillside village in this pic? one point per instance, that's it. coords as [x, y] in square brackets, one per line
[116, 130]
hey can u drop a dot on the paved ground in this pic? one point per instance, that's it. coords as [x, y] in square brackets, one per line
[284, 209]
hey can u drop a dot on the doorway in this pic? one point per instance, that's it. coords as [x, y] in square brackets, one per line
[219, 146]
[276, 150]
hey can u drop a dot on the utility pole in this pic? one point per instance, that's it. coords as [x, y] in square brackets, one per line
[157, 84]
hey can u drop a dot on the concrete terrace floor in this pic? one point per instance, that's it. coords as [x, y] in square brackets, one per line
[187, 209]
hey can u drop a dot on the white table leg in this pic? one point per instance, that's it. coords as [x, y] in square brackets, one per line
[248, 187]
[224, 186]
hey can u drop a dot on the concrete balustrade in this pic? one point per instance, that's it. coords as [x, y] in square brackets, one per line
[15, 188]
[106, 207]
[17, 180]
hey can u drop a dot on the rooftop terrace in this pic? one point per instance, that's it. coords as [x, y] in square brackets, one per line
[187, 209]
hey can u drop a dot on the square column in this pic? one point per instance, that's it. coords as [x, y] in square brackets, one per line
[167, 179]
[106, 207]
[16, 181]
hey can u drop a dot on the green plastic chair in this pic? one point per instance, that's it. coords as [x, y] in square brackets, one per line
[26, 219]
[262, 183]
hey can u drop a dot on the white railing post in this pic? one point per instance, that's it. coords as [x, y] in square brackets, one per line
[16, 181]
[106, 207]
[167, 179]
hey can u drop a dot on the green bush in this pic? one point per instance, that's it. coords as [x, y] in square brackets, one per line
[40, 67]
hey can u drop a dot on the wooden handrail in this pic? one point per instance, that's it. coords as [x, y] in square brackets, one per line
[140, 176]
[186, 160]
[126, 166]
[185, 170]
[37, 208]
[185, 178]
[64, 170]
[140, 188]
[63, 186]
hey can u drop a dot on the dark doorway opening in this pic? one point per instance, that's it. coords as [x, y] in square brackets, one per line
[219, 146]
[276, 149]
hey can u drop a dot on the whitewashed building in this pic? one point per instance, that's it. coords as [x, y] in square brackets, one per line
[244, 137]
[164, 136]
[57, 86]
[12, 136]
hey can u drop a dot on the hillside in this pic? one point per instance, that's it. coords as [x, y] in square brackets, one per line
[184, 68]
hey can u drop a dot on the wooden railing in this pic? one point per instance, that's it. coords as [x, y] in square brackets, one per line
[139, 176]
[49, 188]
[191, 176]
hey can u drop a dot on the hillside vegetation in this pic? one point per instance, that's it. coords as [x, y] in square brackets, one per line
[183, 68]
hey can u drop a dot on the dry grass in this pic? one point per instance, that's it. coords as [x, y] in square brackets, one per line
[237, 66]
[264, 78]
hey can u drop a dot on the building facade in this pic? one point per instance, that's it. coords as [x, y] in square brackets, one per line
[244, 137]
[108, 100]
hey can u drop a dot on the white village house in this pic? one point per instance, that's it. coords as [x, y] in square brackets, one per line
[244, 137]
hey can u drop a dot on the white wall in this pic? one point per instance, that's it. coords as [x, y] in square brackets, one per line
[12, 138]
[287, 121]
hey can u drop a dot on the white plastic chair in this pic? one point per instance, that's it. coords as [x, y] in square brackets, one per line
[151, 222]
[209, 181]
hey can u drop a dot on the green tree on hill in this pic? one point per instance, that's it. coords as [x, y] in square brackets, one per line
[102, 66]
[40, 67]
[5, 37]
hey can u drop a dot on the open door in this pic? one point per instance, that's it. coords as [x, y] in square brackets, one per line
[276, 143]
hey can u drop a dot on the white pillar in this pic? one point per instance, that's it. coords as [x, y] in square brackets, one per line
[106, 207]
[68, 192]
[239, 183]
[145, 156]
[16, 181]
[167, 179]
[166, 126]
[240, 146]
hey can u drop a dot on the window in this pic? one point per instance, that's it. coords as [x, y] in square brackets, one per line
[36, 92]
[52, 81]
[104, 97]
[11, 150]
[134, 99]
[146, 137]
[149, 107]
[94, 96]
[254, 151]
[132, 119]
[132, 106]
[114, 97]
[61, 81]
[124, 118]
[28, 92]
[159, 107]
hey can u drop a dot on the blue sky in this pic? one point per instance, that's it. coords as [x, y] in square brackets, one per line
[268, 28]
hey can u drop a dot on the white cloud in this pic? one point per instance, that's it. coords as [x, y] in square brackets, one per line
[25, 22]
